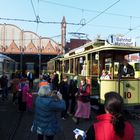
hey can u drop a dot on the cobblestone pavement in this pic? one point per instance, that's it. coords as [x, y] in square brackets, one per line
[9, 117]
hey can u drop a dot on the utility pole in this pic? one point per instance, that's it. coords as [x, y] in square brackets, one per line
[39, 53]
[21, 53]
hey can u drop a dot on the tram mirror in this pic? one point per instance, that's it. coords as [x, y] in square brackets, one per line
[96, 57]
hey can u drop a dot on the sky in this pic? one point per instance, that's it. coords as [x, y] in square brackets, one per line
[99, 17]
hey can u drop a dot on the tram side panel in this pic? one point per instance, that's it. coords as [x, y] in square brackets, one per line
[129, 90]
[107, 86]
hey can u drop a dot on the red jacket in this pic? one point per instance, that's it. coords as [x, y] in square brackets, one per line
[104, 129]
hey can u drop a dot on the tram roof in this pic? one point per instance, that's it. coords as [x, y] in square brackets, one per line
[2, 56]
[90, 47]
[57, 57]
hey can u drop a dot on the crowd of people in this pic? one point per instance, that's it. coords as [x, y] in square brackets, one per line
[110, 125]
[66, 98]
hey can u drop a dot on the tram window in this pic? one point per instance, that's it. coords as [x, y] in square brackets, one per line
[79, 62]
[7, 67]
[50, 66]
[12, 67]
[66, 66]
[90, 63]
[115, 67]
[107, 67]
[81, 65]
[93, 64]
[76, 66]
[95, 69]
[137, 66]
[71, 66]
[60, 67]
[57, 65]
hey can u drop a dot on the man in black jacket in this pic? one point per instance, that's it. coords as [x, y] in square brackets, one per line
[126, 70]
[4, 86]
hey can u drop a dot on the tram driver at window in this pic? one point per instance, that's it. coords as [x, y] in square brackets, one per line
[125, 69]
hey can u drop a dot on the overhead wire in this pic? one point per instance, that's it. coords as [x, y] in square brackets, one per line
[95, 11]
[99, 14]
[83, 24]
[107, 26]
[43, 22]
[47, 22]
[33, 9]
[36, 16]
[86, 10]
[132, 29]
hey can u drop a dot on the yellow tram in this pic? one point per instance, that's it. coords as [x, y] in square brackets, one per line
[90, 59]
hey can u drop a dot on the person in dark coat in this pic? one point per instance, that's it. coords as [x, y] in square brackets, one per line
[30, 77]
[14, 86]
[4, 86]
[55, 81]
[73, 89]
[126, 70]
[47, 105]
[64, 90]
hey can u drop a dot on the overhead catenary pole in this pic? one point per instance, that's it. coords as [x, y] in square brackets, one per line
[21, 53]
[39, 53]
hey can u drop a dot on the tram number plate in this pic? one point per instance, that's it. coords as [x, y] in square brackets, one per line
[127, 95]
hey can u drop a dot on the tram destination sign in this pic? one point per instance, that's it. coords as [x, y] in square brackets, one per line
[121, 41]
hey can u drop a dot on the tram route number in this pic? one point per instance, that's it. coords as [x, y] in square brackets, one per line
[127, 95]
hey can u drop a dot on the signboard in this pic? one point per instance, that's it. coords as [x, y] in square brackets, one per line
[121, 41]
